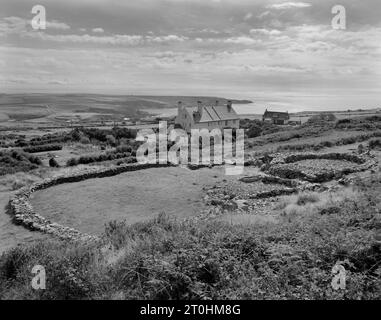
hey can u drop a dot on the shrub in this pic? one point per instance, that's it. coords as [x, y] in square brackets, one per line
[307, 198]
[85, 140]
[374, 143]
[43, 148]
[321, 118]
[123, 148]
[329, 143]
[111, 140]
[109, 156]
[53, 163]
[255, 128]
[72, 162]
[20, 143]
[15, 161]
[360, 123]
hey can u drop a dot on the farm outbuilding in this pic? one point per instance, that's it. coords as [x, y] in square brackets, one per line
[276, 117]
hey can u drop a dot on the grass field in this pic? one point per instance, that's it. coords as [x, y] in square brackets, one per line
[133, 196]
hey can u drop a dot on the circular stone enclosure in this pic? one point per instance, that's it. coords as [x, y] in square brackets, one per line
[317, 168]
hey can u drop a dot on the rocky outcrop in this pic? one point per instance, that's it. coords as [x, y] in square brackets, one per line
[24, 214]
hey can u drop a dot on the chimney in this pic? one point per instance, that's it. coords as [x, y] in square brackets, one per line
[229, 104]
[199, 107]
[179, 106]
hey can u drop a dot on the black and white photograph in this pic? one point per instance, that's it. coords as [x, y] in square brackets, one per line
[192, 155]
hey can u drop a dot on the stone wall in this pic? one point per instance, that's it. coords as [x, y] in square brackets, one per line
[23, 213]
[285, 166]
[281, 158]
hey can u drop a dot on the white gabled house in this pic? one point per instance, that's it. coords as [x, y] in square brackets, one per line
[208, 117]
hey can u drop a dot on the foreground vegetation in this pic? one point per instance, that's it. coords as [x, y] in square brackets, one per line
[16, 160]
[169, 259]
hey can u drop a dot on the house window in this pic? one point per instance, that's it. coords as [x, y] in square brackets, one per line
[226, 123]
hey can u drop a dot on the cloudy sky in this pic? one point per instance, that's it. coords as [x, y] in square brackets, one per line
[237, 48]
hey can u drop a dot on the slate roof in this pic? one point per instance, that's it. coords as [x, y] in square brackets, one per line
[218, 113]
[276, 115]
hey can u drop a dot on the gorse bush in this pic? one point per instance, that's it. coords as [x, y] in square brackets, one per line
[109, 156]
[360, 123]
[307, 198]
[374, 143]
[288, 133]
[168, 259]
[103, 135]
[53, 163]
[43, 148]
[329, 143]
[15, 161]
[113, 137]
[255, 128]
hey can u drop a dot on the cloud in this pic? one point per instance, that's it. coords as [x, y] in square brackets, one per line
[284, 68]
[231, 46]
[168, 38]
[57, 25]
[243, 40]
[14, 25]
[117, 39]
[248, 16]
[263, 14]
[288, 5]
[9, 25]
[74, 38]
[97, 30]
[266, 32]
[165, 55]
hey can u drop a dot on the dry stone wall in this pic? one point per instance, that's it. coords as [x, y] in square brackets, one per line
[286, 166]
[23, 213]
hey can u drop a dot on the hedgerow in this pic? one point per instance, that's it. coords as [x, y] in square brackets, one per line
[15, 161]
[99, 158]
[43, 148]
[329, 143]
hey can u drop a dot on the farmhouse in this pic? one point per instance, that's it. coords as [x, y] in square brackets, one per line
[276, 117]
[207, 117]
